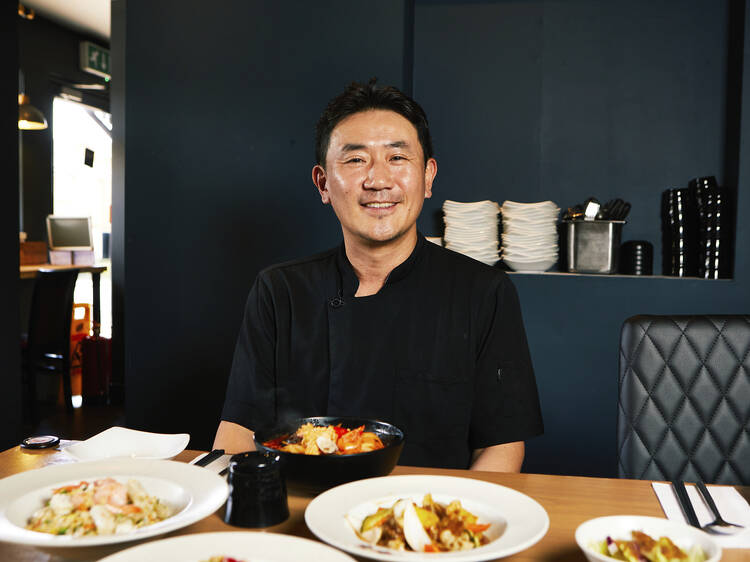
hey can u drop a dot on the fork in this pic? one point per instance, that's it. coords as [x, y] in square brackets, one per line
[718, 525]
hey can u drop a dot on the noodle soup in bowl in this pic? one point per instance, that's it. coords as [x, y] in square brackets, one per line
[315, 473]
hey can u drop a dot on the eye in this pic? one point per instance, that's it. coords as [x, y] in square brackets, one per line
[398, 157]
[354, 160]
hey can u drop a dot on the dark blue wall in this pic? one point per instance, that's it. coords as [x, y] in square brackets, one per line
[563, 100]
[528, 101]
[212, 178]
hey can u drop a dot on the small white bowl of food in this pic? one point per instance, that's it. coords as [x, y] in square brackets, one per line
[638, 537]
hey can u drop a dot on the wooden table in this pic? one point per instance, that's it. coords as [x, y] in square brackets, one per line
[569, 500]
[31, 271]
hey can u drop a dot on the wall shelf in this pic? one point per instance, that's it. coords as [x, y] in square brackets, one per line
[610, 275]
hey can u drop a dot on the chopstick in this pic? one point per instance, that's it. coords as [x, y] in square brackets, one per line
[684, 500]
[209, 458]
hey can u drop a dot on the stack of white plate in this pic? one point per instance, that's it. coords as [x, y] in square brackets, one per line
[472, 229]
[530, 241]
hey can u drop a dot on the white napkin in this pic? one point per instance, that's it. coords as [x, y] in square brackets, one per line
[217, 465]
[729, 502]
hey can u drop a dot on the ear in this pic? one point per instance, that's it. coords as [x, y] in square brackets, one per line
[319, 179]
[430, 171]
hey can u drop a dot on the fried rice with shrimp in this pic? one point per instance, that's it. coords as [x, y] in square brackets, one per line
[102, 507]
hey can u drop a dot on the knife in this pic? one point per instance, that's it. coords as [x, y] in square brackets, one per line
[687, 507]
[209, 458]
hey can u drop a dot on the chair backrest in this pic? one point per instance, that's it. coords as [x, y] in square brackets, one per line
[51, 312]
[684, 398]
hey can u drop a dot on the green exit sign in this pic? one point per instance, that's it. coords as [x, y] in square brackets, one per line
[95, 59]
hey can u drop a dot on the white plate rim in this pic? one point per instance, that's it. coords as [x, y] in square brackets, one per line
[225, 542]
[346, 497]
[207, 489]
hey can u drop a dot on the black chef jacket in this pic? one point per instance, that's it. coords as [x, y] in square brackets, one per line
[440, 351]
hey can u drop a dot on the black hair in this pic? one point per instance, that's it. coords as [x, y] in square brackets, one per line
[359, 97]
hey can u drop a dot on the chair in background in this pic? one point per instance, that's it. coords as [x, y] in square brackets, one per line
[684, 398]
[47, 347]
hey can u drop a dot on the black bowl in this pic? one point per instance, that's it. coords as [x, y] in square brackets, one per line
[315, 473]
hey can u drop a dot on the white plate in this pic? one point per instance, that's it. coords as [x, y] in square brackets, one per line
[534, 210]
[548, 230]
[541, 238]
[532, 248]
[191, 491]
[538, 205]
[483, 242]
[534, 266]
[529, 256]
[485, 235]
[517, 521]
[527, 224]
[123, 442]
[242, 545]
[620, 526]
[473, 224]
[472, 205]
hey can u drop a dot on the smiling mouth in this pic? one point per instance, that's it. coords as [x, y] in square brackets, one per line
[379, 205]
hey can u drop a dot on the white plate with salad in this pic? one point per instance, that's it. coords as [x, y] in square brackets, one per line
[603, 539]
[499, 521]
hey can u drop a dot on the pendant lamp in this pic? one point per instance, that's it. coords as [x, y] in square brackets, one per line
[29, 117]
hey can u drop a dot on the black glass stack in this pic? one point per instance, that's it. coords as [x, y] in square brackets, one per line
[679, 220]
[637, 257]
[714, 228]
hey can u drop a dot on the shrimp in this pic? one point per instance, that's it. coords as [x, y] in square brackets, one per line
[110, 492]
[370, 442]
[351, 441]
[61, 504]
[103, 519]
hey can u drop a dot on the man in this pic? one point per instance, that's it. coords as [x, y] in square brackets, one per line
[386, 326]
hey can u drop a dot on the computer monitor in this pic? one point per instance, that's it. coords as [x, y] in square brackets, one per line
[69, 233]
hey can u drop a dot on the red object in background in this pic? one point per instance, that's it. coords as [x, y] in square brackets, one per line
[96, 369]
[80, 327]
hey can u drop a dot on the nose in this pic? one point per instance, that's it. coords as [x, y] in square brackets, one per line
[378, 176]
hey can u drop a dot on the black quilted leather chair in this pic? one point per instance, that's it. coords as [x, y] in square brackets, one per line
[684, 398]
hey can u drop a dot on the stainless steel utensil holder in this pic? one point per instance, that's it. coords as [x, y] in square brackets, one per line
[593, 246]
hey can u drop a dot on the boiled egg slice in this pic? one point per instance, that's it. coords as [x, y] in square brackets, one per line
[416, 537]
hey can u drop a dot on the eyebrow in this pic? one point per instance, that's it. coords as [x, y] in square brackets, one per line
[395, 144]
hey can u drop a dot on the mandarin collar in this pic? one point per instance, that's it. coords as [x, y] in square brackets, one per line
[348, 278]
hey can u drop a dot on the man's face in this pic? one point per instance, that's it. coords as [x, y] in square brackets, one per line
[375, 176]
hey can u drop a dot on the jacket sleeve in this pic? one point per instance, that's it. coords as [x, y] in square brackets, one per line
[506, 401]
[250, 398]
